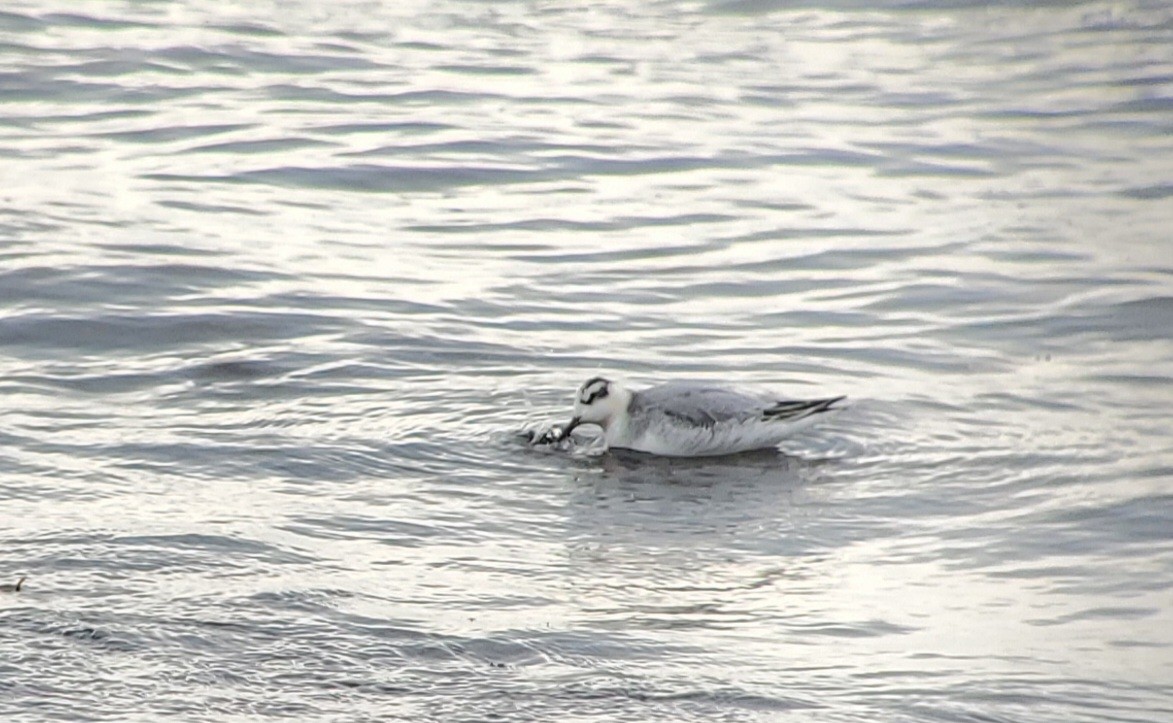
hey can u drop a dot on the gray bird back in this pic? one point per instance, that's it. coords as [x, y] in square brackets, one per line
[694, 404]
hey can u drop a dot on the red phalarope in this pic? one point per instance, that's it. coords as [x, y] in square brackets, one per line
[688, 419]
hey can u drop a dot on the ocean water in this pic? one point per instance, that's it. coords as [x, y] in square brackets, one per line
[281, 284]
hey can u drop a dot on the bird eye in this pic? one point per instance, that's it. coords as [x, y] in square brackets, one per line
[596, 388]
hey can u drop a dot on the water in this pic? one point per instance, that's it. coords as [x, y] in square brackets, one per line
[280, 284]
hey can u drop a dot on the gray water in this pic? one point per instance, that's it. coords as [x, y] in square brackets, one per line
[281, 283]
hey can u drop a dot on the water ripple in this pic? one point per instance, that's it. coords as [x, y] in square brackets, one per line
[279, 289]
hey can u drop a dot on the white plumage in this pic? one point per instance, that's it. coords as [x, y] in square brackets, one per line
[688, 419]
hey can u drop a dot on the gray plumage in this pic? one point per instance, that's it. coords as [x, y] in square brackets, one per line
[686, 419]
[700, 405]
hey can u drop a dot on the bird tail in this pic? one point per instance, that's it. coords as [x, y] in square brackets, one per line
[799, 409]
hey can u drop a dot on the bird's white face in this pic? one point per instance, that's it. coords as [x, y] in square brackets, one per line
[598, 402]
[595, 403]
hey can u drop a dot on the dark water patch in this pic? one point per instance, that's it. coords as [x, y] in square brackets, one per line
[424, 98]
[111, 332]
[608, 257]
[108, 68]
[252, 30]
[396, 305]
[909, 168]
[213, 208]
[306, 63]
[1037, 255]
[267, 451]
[43, 87]
[768, 205]
[1051, 572]
[470, 147]
[171, 133]
[26, 124]
[800, 319]
[1150, 381]
[127, 558]
[731, 289]
[31, 492]
[1115, 613]
[1139, 320]
[235, 545]
[101, 638]
[320, 601]
[846, 258]
[588, 166]
[831, 260]
[93, 117]
[405, 127]
[137, 249]
[199, 59]
[91, 22]
[366, 178]
[555, 224]
[988, 150]
[271, 145]
[1149, 193]
[383, 530]
[126, 283]
[1146, 81]
[1139, 521]
[1011, 401]
[20, 22]
[598, 694]
[46, 152]
[1058, 536]
[601, 58]
[338, 47]
[235, 370]
[316, 94]
[948, 294]
[870, 628]
[425, 46]
[85, 383]
[436, 350]
[1159, 104]
[510, 147]
[585, 166]
[489, 70]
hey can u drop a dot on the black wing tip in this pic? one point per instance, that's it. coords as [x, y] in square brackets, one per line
[819, 406]
[798, 409]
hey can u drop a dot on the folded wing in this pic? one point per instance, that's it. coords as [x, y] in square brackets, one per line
[706, 406]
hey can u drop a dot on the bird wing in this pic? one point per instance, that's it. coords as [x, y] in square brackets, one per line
[698, 404]
[707, 406]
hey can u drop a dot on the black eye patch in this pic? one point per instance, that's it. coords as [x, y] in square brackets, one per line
[588, 397]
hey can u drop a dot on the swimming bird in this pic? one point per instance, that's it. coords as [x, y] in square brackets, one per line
[689, 419]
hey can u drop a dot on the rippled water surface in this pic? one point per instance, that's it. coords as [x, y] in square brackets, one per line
[280, 284]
